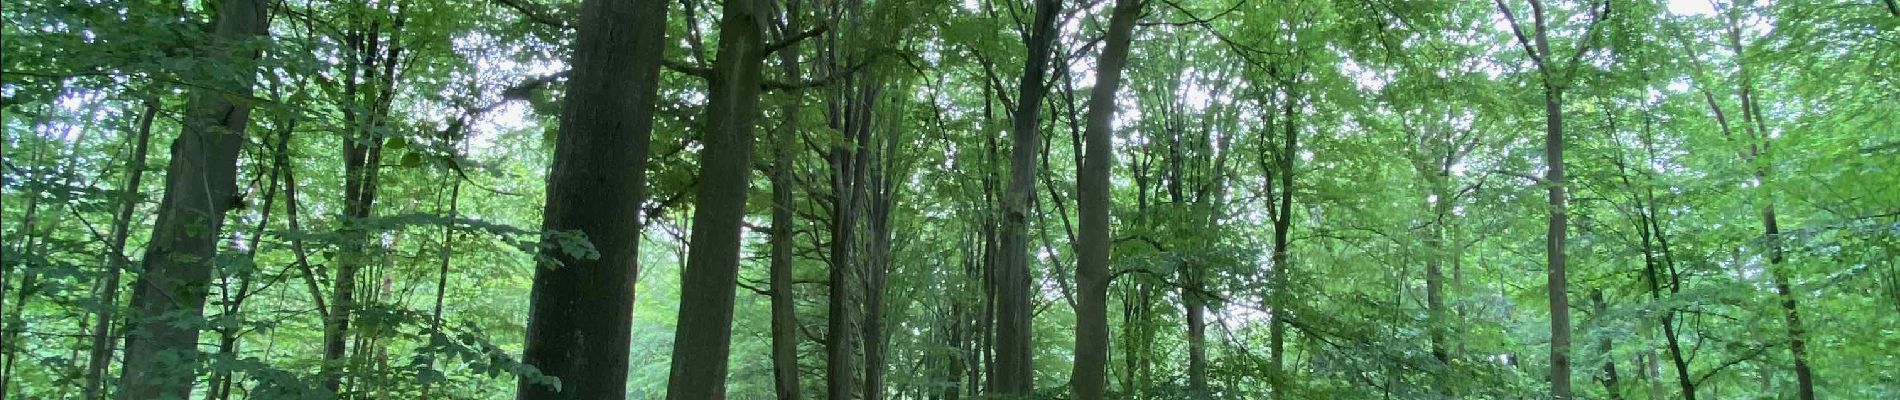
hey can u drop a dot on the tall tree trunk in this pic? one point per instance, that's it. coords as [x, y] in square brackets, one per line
[100, 356]
[1757, 128]
[369, 88]
[580, 312]
[1015, 373]
[200, 185]
[784, 310]
[1089, 379]
[1555, 78]
[704, 342]
[884, 176]
[1282, 230]
[1556, 279]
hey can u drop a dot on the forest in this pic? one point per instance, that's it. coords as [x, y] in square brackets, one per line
[950, 199]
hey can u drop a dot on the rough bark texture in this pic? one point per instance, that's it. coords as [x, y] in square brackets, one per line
[704, 341]
[200, 185]
[1089, 378]
[1015, 374]
[581, 312]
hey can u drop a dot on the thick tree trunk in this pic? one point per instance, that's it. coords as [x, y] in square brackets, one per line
[703, 343]
[100, 356]
[1089, 379]
[200, 185]
[581, 311]
[1015, 373]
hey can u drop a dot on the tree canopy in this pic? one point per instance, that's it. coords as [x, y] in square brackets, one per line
[969, 199]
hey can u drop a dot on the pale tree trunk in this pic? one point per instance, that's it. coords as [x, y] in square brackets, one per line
[200, 185]
[703, 343]
[580, 313]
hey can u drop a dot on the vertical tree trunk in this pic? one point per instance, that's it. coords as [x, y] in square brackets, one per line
[100, 356]
[1610, 377]
[1556, 278]
[1755, 124]
[1015, 373]
[200, 185]
[581, 311]
[1089, 379]
[1282, 229]
[884, 177]
[784, 311]
[703, 343]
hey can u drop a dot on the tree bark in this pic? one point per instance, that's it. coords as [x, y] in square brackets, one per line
[581, 310]
[1089, 378]
[1015, 373]
[703, 343]
[200, 185]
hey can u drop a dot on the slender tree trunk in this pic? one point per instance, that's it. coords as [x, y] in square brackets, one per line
[200, 185]
[877, 261]
[1557, 279]
[784, 310]
[100, 356]
[580, 312]
[703, 343]
[1610, 378]
[1089, 378]
[1777, 272]
[1282, 230]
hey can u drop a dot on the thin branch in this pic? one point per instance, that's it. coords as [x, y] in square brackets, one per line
[535, 13]
[1519, 32]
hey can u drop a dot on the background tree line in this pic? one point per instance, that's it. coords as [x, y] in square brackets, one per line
[878, 199]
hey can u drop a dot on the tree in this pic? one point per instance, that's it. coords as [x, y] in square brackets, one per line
[704, 343]
[1090, 379]
[200, 186]
[1555, 77]
[581, 306]
[1015, 375]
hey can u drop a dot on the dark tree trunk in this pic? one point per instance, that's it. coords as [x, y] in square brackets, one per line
[1556, 279]
[703, 343]
[581, 311]
[1089, 378]
[885, 174]
[200, 185]
[784, 311]
[1015, 374]
[101, 351]
[1282, 230]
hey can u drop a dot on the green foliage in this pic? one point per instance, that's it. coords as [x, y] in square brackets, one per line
[1415, 122]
